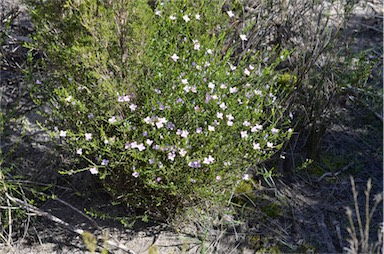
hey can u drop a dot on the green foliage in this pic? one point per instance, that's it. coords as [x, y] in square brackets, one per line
[160, 113]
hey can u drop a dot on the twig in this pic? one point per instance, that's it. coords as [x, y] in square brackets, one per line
[51, 217]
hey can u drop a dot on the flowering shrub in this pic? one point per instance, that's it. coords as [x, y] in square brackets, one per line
[161, 114]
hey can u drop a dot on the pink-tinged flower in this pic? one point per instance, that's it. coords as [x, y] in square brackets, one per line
[208, 160]
[93, 171]
[194, 89]
[247, 72]
[246, 123]
[199, 130]
[218, 178]
[243, 37]
[232, 89]
[219, 115]
[79, 151]
[127, 146]
[171, 156]
[211, 128]
[133, 107]
[197, 16]
[209, 51]
[172, 17]
[230, 14]
[135, 174]
[197, 108]
[149, 142]
[38, 82]
[88, 136]
[223, 86]
[244, 134]
[186, 18]
[158, 179]
[274, 131]
[134, 144]
[112, 120]
[182, 152]
[269, 144]
[124, 98]
[223, 106]
[211, 85]
[251, 67]
[160, 122]
[247, 85]
[245, 177]
[175, 57]
[141, 147]
[256, 146]
[184, 81]
[63, 134]
[105, 162]
[257, 127]
[229, 123]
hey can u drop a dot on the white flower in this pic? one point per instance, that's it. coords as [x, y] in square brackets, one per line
[230, 14]
[182, 152]
[232, 89]
[187, 89]
[160, 122]
[148, 120]
[211, 85]
[251, 67]
[208, 160]
[68, 99]
[269, 144]
[88, 136]
[256, 146]
[215, 97]
[186, 18]
[243, 37]
[230, 117]
[184, 81]
[274, 130]
[112, 119]
[93, 171]
[219, 115]
[244, 134]
[63, 134]
[79, 151]
[196, 46]
[197, 16]
[218, 178]
[158, 13]
[184, 134]
[232, 67]
[245, 177]
[135, 174]
[223, 106]
[209, 51]
[246, 123]
[223, 86]
[211, 128]
[230, 123]
[149, 142]
[105, 162]
[141, 147]
[258, 92]
[290, 130]
[175, 57]
[256, 128]
[172, 17]
[171, 156]
[247, 72]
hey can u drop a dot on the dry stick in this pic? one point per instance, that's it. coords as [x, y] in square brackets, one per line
[51, 217]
